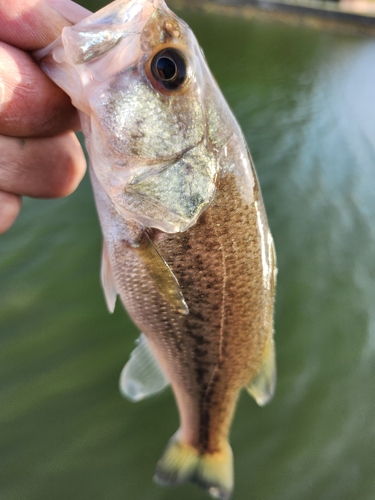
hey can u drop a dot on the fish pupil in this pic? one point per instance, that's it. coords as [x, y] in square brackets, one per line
[169, 69]
[166, 68]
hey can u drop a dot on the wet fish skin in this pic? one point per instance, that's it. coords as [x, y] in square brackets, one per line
[186, 238]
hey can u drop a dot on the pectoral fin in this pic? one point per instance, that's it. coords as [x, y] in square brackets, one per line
[262, 386]
[108, 282]
[142, 376]
[162, 275]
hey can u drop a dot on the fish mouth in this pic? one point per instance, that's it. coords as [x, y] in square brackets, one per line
[174, 194]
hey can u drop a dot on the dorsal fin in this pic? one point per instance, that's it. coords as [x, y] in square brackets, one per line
[142, 376]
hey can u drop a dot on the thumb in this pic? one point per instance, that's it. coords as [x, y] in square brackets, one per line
[33, 24]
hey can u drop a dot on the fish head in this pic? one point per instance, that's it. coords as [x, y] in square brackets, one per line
[152, 115]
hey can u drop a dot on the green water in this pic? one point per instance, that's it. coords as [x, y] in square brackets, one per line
[305, 100]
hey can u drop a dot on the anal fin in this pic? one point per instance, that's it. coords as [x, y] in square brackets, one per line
[108, 282]
[262, 386]
[142, 376]
[161, 274]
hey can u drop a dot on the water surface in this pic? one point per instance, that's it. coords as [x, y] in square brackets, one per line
[305, 100]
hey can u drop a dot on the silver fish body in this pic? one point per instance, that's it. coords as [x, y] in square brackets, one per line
[186, 240]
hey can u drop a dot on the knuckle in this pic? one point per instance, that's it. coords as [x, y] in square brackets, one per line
[71, 170]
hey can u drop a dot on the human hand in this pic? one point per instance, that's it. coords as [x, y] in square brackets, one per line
[40, 154]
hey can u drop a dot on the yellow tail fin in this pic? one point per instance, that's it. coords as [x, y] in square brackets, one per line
[182, 463]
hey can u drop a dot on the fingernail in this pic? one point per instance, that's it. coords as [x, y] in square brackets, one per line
[10, 206]
[70, 10]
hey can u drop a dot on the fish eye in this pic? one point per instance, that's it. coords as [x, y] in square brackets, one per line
[169, 69]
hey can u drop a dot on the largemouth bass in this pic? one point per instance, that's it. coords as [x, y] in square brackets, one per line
[186, 243]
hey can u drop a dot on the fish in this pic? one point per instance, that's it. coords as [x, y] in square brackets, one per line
[186, 242]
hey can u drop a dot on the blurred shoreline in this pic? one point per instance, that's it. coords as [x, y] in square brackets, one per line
[347, 16]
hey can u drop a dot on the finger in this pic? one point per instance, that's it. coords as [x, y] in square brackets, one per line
[30, 104]
[33, 24]
[43, 167]
[73, 12]
[10, 206]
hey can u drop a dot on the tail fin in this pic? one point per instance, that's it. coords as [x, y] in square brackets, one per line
[181, 463]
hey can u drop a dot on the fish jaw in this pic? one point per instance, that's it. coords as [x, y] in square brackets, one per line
[67, 60]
